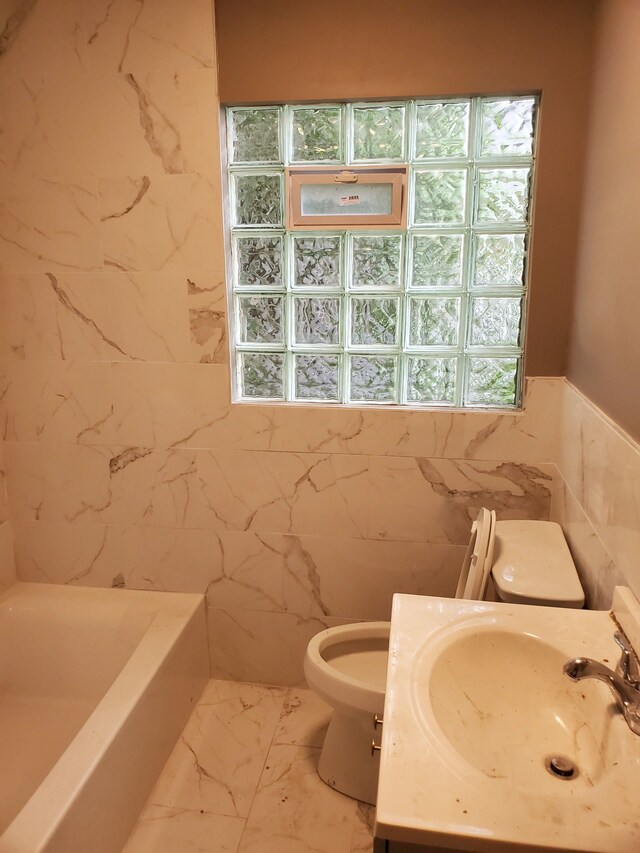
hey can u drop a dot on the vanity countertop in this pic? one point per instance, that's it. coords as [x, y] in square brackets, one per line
[447, 660]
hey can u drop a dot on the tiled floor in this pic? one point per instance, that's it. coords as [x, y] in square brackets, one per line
[242, 779]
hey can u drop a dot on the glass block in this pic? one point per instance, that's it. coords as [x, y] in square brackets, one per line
[499, 260]
[374, 321]
[261, 319]
[255, 136]
[317, 320]
[507, 127]
[431, 380]
[377, 261]
[436, 260]
[442, 130]
[316, 261]
[434, 322]
[262, 374]
[491, 381]
[503, 195]
[439, 196]
[317, 377]
[373, 378]
[259, 262]
[258, 199]
[378, 133]
[317, 134]
[495, 322]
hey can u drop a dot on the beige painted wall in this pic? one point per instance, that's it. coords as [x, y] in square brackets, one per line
[374, 49]
[604, 357]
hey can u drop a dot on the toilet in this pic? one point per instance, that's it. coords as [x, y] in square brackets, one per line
[522, 562]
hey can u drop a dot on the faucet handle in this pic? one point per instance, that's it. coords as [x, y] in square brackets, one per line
[628, 666]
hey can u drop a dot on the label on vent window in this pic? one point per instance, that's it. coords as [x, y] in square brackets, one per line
[344, 200]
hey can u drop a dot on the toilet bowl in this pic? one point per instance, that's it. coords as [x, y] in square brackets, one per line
[526, 562]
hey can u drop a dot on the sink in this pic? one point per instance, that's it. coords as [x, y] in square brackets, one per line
[501, 701]
[478, 713]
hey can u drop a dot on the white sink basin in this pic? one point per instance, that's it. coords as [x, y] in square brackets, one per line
[476, 704]
[501, 700]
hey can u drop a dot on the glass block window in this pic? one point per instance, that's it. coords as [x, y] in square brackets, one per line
[428, 315]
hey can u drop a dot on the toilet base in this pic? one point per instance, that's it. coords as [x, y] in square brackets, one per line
[346, 763]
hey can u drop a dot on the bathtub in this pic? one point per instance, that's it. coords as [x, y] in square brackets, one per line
[95, 688]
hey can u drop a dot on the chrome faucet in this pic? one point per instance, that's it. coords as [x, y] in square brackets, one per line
[624, 682]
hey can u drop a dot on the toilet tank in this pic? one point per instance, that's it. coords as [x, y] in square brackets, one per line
[532, 565]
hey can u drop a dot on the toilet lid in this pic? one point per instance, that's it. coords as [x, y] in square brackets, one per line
[475, 568]
[477, 591]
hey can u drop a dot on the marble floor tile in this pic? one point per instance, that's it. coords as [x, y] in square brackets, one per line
[304, 719]
[162, 829]
[243, 779]
[218, 760]
[294, 811]
[362, 840]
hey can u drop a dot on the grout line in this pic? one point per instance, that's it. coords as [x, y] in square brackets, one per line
[264, 763]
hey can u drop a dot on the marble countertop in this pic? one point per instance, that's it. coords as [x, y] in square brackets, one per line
[429, 794]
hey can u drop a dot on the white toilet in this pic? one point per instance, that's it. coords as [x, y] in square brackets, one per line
[525, 562]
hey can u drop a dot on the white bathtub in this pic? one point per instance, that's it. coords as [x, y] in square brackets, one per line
[95, 688]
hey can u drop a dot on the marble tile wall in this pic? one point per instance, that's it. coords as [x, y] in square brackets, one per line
[126, 462]
[597, 497]
[7, 562]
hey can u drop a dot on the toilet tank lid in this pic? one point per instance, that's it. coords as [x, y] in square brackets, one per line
[532, 563]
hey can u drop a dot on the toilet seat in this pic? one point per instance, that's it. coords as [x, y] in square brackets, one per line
[477, 559]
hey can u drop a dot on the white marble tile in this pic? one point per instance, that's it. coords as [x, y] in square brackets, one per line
[126, 36]
[263, 647]
[77, 554]
[601, 466]
[167, 405]
[158, 223]
[282, 492]
[318, 576]
[170, 559]
[218, 760]
[368, 497]
[528, 436]
[47, 44]
[294, 811]
[56, 402]
[93, 124]
[353, 496]
[199, 122]
[207, 299]
[94, 317]
[161, 829]
[304, 719]
[250, 573]
[123, 485]
[152, 488]
[8, 573]
[357, 578]
[57, 483]
[597, 569]
[158, 558]
[164, 409]
[4, 499]
[362, 840]
[48, 225]
[63, 38]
